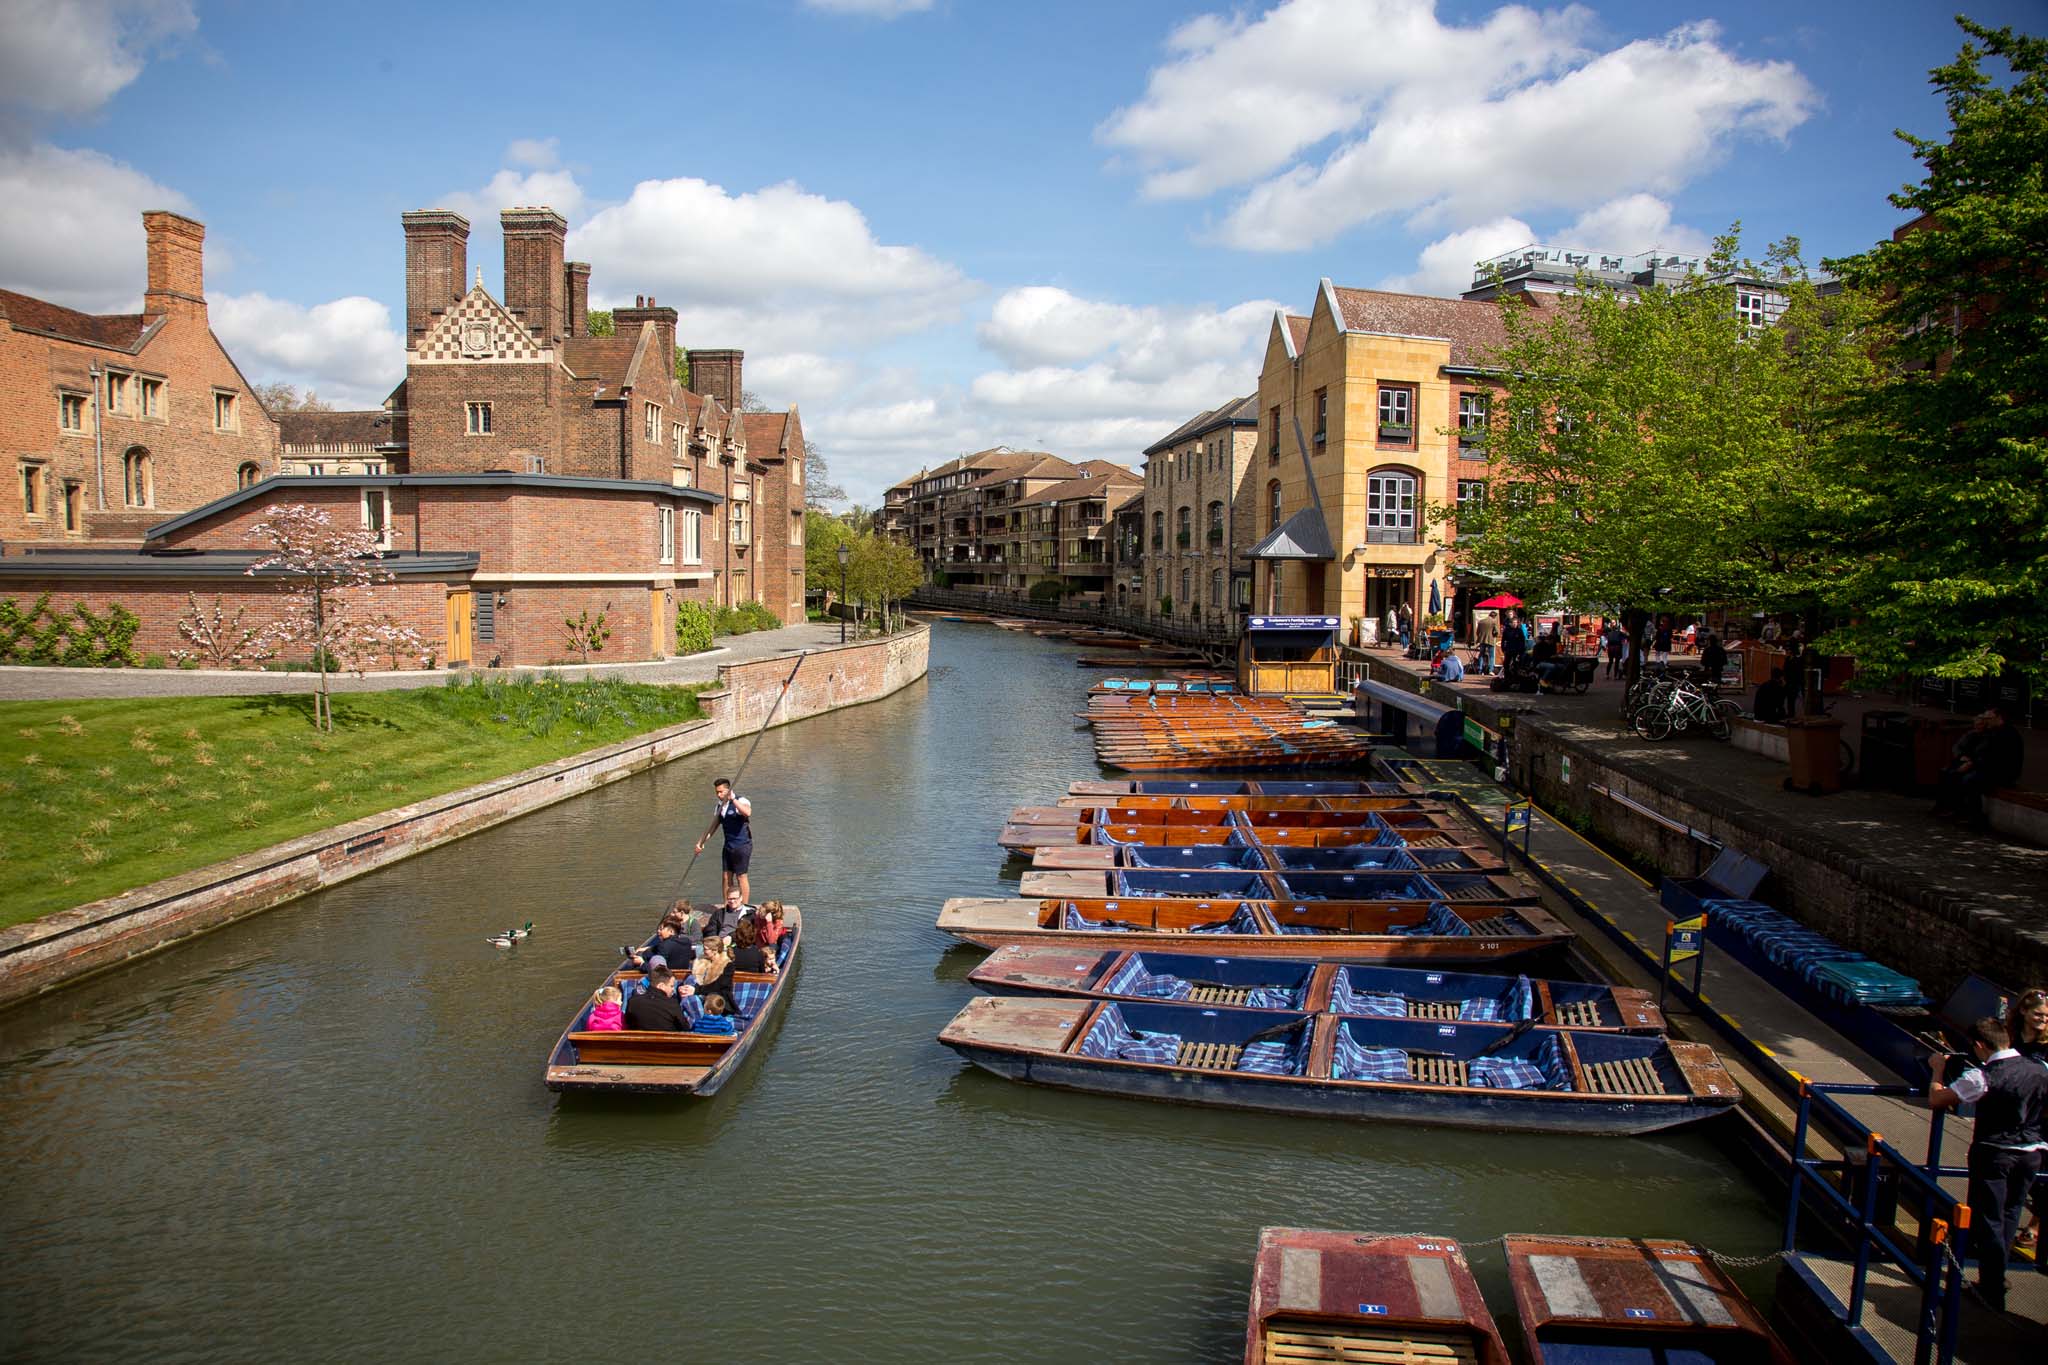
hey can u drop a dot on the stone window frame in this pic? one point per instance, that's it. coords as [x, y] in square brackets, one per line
[1398, 490]
[138, 477]
[742, 514]
[1321, 402]
[651, 417]
[152, 403]
[120, 392]
[71, 411]
[1404, 396]
[1273, 500]
[248, 474]
[34, 484]
[71, 499]
[476, 417]
[691, 546]
[665, 534]
[1216, 588]
[675, 436]
[381, 526]
[796, 527]
[227, 410]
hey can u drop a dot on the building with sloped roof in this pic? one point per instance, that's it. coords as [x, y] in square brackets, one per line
[110, 422]
[1200, 500]
[1065, 531]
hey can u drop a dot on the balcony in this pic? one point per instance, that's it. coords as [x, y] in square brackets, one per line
[1215, 535]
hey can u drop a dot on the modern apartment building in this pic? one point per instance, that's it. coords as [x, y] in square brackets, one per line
[1201, 511]
[1004, 520]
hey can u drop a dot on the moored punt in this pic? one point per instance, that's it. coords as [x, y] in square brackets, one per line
[1257, 884]
[1396, 1070]
[1436, 935]
[635, 1061]
[1324, 987]
[1632, 1301]
[1355, 854]
[1293, 820]
[1359, 1297]
[1244, 787]
[1167, 726]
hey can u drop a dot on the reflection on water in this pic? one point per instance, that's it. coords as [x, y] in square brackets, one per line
[322, 1133]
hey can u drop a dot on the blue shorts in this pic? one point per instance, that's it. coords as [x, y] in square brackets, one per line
[736, 858]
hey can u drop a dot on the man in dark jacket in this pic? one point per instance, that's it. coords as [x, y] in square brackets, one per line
[655, 1009]
[2011, 1093]
[1988, 757]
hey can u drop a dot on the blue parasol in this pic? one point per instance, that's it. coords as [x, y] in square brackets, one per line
[1436, 598]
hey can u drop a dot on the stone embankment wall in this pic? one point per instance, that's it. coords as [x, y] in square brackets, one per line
[1937, 938]
[59, 948]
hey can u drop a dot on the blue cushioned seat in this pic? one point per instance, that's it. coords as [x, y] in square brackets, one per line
[692, 1007]
[1273, 998]
[1352, 1061]
[1557, 1072]
[1270, 1058]
[1163, 1048]
[748, 997]
[1507, 1073]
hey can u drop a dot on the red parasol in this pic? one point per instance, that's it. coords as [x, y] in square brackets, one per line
[1498, 601]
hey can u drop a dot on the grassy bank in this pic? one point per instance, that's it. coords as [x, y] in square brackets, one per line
[100, 796]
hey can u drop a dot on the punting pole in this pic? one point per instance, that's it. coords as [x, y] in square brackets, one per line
[740, 772]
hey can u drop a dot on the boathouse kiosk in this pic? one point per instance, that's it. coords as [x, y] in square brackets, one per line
[1288, 655]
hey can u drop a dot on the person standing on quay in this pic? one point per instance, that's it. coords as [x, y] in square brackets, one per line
[2010, 1092]
[735, 815]
[1486, 634]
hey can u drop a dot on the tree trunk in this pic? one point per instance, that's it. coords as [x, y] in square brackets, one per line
[323, 708]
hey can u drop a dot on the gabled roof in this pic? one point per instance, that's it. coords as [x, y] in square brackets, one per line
[334, 428]
[1119, 501]
[609, 360]
[1297, 330]
[116, 331]
[1240, 412]
[1039, 467]
[1472, 327]
[1305, 535]
[1113, 469]
[1089, 486]
[768, 432]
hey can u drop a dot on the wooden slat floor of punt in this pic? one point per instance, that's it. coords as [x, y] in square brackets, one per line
[1438, 1070]
[1295, 1342]
[1220, 995]
[1209, 1056]
[1496, 926]
[1432, 1009]
[1630, 1076]
[1579, 1014]
[1426, 838]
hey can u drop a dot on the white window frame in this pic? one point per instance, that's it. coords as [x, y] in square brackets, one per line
[693, 537]
[1390, 497]
[742, 515]
[1396, 409]
[1750, 307]
[665, 527]
[675, 436]
[381, 498]
[476, 414]
[653, 420]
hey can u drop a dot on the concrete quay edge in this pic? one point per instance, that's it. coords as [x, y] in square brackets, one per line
[68, 945]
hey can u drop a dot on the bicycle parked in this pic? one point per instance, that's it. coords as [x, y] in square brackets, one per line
[1660, 705]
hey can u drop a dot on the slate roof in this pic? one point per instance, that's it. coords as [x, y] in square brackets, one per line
[1305, 535]
[333, 429]
[1241, 412]
[1089, 486]
[1473, 328]
[118, 331]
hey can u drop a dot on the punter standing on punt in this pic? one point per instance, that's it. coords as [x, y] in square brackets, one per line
[735, 815]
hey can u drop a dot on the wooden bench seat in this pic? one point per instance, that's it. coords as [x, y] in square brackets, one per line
[1209, 1056]
[1299, 1341]
[1438, 1070]
[1219, 995]
[1432, 1009]
[1632, 1076]
[640, 1047]
[1579, 1014]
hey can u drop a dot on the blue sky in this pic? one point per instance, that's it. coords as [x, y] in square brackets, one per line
[945, 225]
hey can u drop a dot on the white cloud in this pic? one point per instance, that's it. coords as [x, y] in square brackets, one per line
[870, 9]
[1626, 226]
[1632, 224]
[1444, 267]
[771, 269]
[348, 349]
[1440, 125]
[71, 226]
[72, 56]
[540, 153]
[1041, 326]
[803, 377]
[542, 183]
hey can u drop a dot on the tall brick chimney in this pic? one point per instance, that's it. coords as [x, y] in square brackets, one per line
[626, 322]
[436, 266]
[716, 374]
[578, 321]
[177, 254]
[536, 285]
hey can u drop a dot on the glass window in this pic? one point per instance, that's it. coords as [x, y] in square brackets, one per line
[32, 490]
[71, 411]
[1397, 414]
[119, 386]
[225, 416]
[152, 392]
[377, 514]
[1322, 415]
[1273, 505]
[693, 537]
[135, 479]
[479, 418]
[1390, 508]
[1472, 420]
[654, 421]
[1749, 307]
[248, 476]
[1216, 588]
[666, 517]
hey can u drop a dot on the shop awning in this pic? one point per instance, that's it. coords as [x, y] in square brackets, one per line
[1302, 536]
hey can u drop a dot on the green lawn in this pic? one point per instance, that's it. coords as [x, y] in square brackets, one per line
[100, 796]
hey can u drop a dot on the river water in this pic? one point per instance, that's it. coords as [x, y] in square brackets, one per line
[321, 1134]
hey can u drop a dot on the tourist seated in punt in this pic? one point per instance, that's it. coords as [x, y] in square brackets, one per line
[715, 1016]
[722, 920]
[655, 1009]
[747, 956]
[711, 965]
[671, 941]
[769, 920]
[605, 1015]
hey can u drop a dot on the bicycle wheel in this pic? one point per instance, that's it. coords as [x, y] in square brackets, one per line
[1848, 759]
[1654, 722]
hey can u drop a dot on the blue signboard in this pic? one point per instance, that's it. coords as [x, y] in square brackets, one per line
[1293, 623]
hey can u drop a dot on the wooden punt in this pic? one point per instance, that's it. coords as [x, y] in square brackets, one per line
[1336, 930]
[1360, 851]
[1366, 1299]
[1161, 729]
[1541, 1080]
[635, 1061]
[1298, 984]
[1332, 786]
[1258, 884]
[1420, 824]
[1632, 1301]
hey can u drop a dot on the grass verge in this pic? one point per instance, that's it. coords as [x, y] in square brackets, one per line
[100, 796]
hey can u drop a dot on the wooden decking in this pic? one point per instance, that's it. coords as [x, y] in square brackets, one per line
[1301, 1341]
[1633, 1076]
[1209, 1056]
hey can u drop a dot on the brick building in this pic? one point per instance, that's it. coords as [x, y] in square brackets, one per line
[1005, 520]
[111, 422]
[1201, 504]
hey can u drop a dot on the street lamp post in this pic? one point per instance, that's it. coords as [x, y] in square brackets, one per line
[843, 557]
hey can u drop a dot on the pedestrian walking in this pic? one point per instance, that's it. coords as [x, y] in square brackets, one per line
[2010, 1092]
[1660, 645]
[735, 815]
[1393, 626]
[1485, 635]
[1616, 640]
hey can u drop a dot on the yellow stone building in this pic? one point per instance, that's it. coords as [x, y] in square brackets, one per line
[1389, 393]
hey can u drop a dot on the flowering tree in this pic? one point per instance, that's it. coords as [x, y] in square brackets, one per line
[217, 637]
[328, 572]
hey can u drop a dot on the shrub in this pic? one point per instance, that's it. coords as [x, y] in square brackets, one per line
[80, 637]
[694, 627]
[154, 661]
[1047, 590]
[744, 619]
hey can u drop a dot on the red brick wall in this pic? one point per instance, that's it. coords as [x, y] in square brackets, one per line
[525, 419]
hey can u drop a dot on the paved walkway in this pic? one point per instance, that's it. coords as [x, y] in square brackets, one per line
[1891, 834]
[23, 684]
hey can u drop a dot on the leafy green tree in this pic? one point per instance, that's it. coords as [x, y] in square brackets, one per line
[819, 490]
[1654, 450]
[823, 535]
[880, 574]
[598, 322]
[1943, 472]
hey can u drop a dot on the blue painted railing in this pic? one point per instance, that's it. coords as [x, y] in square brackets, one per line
[1935, 1262]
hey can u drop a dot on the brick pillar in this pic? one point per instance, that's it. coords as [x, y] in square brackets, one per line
[436, 266]
[536, 283]
[626, 323]
[578, 321]
[716, 374]
[177, 252]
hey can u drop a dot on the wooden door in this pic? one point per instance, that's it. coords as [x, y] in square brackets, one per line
[657, 616]
[460, 604]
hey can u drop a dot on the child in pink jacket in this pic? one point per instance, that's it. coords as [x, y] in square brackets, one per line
[605, 1015]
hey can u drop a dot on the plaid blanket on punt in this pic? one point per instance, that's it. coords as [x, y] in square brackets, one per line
[1074, 919]
[1484, 1008]
[1275, 1057]
[1550, 1056]
[1352, 1061]
[748, 997]
[1345, 999]
[1134, 978]
[1272, 998]
[1163, 1048]
[1442, 921]
[1112, 1037]
[1243, 922]
[1506, 1073]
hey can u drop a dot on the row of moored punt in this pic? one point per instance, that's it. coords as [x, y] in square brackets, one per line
[1160, 728]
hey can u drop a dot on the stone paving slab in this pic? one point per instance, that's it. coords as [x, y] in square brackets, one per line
[1876, 834]
[27, 684]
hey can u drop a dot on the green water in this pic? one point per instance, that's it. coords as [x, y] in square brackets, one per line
[321, 1134]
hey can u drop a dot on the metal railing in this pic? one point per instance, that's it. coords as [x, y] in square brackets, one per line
[1935, 1263]
[1221, 639]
